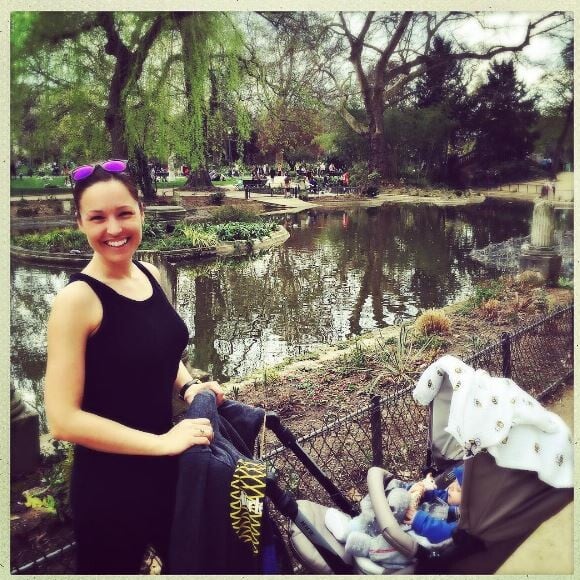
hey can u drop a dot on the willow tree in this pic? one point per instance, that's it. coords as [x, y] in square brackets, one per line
[126, 38]
[205, 37]
[58, 93]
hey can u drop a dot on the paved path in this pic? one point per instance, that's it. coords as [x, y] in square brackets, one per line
[550, 549]
[564, 197]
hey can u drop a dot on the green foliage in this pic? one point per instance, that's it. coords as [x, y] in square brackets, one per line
[61, 240]
[488, 290]
[442, 82]
[27, 184]
[565, 283]
[210, 45]
[40, 500]
[234, 213]
[196, 235]
[58, 86]
[364, 179]
[217, 197]
[503, 118]
[400, 359]
[153, 229]
[58, 480]
[155, 236]
[53, 498]
[243, 231]
[476, 343]
[430, 342]
[356, 358]
[541, 299]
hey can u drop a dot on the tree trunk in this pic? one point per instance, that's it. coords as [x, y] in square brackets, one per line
[143, 175]
[199, 180]
[114, 115]
[561, 139]
[381, 158]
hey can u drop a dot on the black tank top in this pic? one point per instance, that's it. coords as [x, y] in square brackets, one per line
[131, 363]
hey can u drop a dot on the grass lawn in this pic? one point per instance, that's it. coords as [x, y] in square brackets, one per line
[37, 183]
[56, 184]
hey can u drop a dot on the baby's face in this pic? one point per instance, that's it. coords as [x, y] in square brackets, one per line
[454, 491]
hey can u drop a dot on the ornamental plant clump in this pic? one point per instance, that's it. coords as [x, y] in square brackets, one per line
[243, 231]
[490, 309]
[529, 279]
[61, 240]
[156, 236]
[433, 322]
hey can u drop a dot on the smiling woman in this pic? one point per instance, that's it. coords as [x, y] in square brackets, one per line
[113, 364]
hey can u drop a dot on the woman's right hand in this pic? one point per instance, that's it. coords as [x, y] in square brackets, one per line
[186, 433]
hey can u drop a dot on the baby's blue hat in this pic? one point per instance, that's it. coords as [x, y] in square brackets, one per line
[459, 474]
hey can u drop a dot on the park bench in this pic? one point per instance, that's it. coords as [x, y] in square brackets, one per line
[337, 188]
[278, 185]
[256, 185]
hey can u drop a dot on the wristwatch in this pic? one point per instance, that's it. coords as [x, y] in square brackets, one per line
[183, 389]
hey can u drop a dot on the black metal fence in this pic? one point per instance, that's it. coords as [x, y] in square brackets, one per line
[393, 430]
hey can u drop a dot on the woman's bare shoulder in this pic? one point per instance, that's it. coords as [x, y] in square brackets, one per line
[153, 269]
[76, 302]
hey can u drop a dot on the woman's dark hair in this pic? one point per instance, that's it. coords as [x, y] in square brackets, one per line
[99, 174]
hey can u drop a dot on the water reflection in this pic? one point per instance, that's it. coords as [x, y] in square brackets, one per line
[339, 274]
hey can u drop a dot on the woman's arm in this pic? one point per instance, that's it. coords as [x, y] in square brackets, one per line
[76, 313]
[183, 377]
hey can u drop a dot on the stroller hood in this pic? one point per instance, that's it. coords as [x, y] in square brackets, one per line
[518, 455]
[474, 412]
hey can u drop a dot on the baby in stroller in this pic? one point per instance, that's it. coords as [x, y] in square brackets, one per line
[429, 514]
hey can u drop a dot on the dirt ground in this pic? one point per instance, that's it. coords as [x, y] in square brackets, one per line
[304, 392]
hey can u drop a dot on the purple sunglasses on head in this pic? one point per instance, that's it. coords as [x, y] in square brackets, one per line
[112, 166]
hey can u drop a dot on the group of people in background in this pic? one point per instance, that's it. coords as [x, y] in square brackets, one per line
[316, 176]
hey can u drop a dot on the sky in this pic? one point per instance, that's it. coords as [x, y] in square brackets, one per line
[542, 54]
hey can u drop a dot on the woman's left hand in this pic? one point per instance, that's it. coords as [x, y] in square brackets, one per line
[197, 388]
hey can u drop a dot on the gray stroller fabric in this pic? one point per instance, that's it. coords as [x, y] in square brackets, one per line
[499, 504]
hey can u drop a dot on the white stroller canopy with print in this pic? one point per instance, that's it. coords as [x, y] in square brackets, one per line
[473, 412]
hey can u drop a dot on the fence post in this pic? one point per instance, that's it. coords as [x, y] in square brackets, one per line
[376, 430]
[506, 355]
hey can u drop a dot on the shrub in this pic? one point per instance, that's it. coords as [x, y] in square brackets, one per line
[490, 309]
[541, 299]
[400, 359]
[153, 229]
[486, 291]
[232, 213]
[61, 240]
[366, 180]
[25, 211]
[217, 197]
[529, 279]
[565, 283]
[243, 231]
[432, 322]
[196, 236]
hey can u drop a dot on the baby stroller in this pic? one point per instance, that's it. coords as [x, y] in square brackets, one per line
[517, 473]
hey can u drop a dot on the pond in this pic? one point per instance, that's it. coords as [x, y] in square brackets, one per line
[340, 273]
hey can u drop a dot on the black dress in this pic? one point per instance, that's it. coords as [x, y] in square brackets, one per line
[122, 503]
